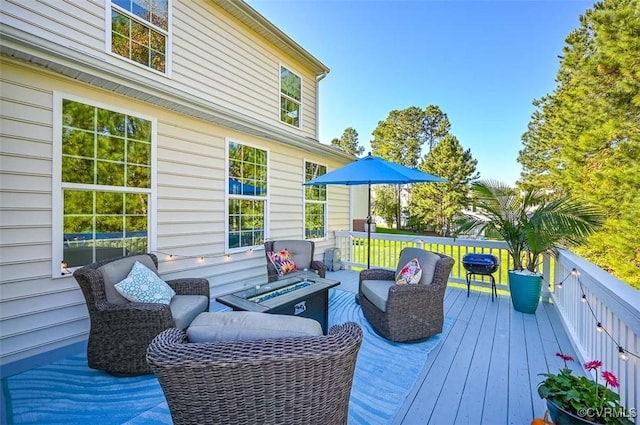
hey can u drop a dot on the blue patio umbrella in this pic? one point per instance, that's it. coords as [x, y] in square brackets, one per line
[373, 170]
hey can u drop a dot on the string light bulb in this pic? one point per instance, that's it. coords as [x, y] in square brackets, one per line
[64, 268]
[599, 327]
[584, 298]
[622, 354]
[575, 272]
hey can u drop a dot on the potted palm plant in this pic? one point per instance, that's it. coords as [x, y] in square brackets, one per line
[531, 223]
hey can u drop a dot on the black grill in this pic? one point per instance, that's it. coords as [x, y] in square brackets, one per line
[480, 263]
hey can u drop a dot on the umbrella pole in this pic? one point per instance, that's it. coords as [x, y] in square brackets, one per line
[369, 231]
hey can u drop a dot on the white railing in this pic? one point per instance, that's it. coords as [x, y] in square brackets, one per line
[385, 250]
[607, 300]
[615, 305]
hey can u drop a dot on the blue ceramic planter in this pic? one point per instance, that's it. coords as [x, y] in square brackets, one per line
[525, 291]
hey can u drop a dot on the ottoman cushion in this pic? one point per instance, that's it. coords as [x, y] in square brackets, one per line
[246, 325]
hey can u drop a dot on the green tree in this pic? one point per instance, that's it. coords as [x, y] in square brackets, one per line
[384, 203]
[584, 138]
[438, 203]
[349, 142]
[436, 125]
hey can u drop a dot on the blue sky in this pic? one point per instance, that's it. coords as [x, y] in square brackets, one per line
[482, 62]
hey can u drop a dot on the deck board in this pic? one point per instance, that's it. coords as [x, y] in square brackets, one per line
[485, 370]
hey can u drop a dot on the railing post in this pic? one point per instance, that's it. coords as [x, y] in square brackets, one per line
[546, 277]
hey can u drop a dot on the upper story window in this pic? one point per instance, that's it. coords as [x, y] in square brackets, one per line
[290, 97]
[247, 196]
[315, 202]
[140, 31]
[105, 185]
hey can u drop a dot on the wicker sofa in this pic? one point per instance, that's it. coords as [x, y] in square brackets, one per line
[122, 330]
[406, 312]
[301, 251]
[296, 380]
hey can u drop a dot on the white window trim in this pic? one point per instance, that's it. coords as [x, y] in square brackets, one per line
[227, 196]
[57, 231]
[304, 202]
[280, 94]
[168, 48]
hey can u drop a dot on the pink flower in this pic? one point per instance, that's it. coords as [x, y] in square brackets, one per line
[593, 365]
[565, 357]
[610, 379]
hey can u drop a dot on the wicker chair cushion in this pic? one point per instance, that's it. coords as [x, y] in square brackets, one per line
[248, 325]
[185, 308]
[377, 291]
[410, 274]
[116, 271]
[427, 261]
[142, 285]
[300, 251]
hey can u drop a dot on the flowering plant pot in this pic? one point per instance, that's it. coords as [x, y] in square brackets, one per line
[575, 399]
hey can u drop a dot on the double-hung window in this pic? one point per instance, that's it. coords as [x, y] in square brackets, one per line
[247, 196]
[105, 165]
[290, 97]
[140, 31]
[315, 202]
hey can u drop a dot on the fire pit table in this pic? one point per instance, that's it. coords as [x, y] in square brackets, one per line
[481, 264]
[302, 294]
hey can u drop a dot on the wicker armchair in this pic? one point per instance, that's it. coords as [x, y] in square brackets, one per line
[299, 380]
[413, 311]
[121, 330]
[301, 252]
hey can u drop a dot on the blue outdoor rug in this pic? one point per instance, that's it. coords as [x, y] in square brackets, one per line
[68, 392]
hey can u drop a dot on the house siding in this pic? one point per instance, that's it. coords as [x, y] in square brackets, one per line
[218, 60]
[214, 55]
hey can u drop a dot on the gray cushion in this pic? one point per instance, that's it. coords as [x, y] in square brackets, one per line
[116, 271]
[426, 259]
[248, 325]
[185, 308]
[377, 291]
[300, 252]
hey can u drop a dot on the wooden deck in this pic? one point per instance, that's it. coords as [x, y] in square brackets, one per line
[485, 370]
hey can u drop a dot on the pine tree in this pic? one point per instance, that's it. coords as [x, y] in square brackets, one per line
[349, 142]
[584, 138]
[438, 203]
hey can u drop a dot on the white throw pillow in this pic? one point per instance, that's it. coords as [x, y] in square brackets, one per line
[144, 286]
[410, 274]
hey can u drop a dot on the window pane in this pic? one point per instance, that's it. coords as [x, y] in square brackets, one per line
[77, 170]
[289, 111]
[109, 203]
[77, 143]
[110, 173]
[314, 220]
[138, 153]
[110, 122]
[290, 84]
[138, 176]
[78, 115]
[137, 203]
[111, 148]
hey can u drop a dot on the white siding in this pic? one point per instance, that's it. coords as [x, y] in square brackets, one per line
[39, 313]
[214, 56]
